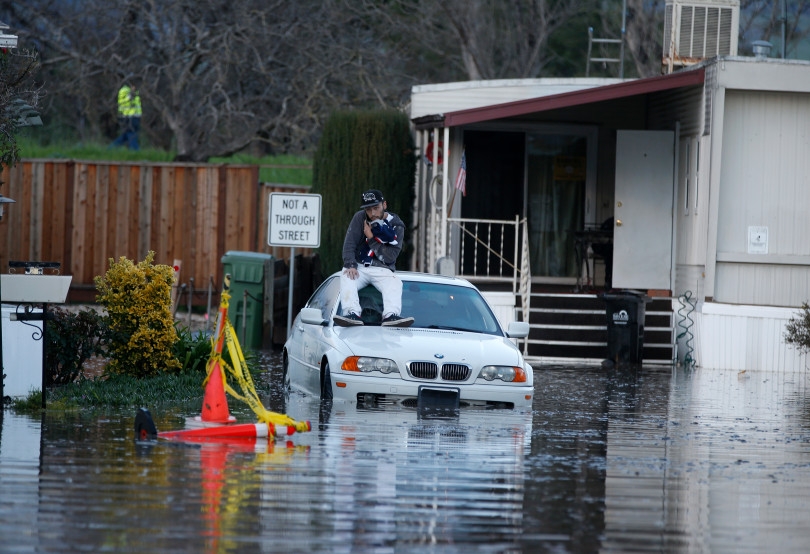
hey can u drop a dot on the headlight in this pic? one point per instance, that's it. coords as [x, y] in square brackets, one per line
[506, 373]
[365, 364]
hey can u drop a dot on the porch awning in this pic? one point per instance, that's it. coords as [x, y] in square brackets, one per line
[684, 78]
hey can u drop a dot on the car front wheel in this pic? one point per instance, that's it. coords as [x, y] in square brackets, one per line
[326, 382]
[285, 370]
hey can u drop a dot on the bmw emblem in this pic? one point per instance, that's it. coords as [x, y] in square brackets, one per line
[438, 356]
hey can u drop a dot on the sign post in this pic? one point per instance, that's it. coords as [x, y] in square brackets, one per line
[295, 221]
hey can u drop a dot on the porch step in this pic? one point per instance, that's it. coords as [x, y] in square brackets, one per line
[569, 327]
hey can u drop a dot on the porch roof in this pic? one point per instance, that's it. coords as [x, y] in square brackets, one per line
[684, 78]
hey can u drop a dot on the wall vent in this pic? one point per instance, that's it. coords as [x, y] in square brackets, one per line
[695, 30]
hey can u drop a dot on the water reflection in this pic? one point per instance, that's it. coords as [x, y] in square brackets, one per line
[19, 476]
[665, 461]
[722, 466]
[407, 480]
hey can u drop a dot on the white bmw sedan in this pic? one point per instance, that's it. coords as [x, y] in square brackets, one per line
[455, 353]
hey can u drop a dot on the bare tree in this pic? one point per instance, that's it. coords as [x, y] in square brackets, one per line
[215, 75]
[18, 95]
[643, 39]
[475, 39]
[759, 20]
[763, 20]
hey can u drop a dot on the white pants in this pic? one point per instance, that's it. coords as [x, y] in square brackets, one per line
[382, 279]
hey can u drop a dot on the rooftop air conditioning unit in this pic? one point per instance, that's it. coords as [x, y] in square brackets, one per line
[698, 29]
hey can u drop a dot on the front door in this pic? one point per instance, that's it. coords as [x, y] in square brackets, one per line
[642, 234]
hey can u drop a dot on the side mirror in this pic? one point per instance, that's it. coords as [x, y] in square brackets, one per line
[517, 330]
[312, 316]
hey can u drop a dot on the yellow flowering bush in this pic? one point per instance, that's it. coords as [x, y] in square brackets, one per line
[142, 334]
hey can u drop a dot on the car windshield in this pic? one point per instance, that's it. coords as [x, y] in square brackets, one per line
[436, 306]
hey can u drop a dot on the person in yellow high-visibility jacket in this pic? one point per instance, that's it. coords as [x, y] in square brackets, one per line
[129, 114]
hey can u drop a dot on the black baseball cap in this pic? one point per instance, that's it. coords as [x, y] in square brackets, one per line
[371, 198]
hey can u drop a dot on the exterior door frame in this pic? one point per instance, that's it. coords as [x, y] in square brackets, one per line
[591, 134]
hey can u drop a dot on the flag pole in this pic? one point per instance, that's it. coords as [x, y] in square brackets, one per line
[460, 178]
[445, 178]
[452, 198]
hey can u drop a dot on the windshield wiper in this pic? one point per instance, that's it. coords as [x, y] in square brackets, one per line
[451, 328]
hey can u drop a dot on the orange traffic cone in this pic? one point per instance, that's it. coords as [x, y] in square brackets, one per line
[215, 404]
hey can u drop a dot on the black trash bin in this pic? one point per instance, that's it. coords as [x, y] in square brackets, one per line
[625, 326]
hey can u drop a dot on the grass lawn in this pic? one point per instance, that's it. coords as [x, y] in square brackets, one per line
[291, 170]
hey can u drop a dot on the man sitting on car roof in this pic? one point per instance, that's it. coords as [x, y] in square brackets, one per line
[373, 242]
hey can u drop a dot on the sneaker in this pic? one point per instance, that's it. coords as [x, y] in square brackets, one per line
[395, 320]
[348, 320]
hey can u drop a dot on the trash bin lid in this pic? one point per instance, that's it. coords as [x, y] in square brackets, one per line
[627, 295]
[245, 256]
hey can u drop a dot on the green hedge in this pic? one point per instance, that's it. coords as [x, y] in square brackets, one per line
[361, 150]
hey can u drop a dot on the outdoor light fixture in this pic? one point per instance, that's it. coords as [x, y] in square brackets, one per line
[4, 200]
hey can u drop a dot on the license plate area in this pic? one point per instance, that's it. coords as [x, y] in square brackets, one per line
[438, 398]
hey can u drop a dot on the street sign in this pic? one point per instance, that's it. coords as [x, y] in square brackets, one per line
[295, 220]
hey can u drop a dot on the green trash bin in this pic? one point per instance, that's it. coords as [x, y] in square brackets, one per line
[251, 306]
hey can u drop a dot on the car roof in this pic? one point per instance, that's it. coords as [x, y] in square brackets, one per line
[429, 278]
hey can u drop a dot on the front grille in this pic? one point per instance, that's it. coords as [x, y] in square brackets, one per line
[455, 372]
[423, 370]
[429, 370]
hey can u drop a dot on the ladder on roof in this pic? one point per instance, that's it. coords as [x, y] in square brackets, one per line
[619, 60]
[611, 41]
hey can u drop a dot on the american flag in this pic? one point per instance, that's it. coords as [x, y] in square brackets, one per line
[461, 178]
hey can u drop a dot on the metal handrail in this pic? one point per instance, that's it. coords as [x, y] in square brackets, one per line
[480, 232]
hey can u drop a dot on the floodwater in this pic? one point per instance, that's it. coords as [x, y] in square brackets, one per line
[666, 460]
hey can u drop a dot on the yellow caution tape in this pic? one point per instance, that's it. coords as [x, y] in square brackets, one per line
[238, 368]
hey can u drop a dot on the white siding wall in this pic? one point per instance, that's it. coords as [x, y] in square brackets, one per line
[692, 200]
[691, 216]
[685, 107]
[765, 182]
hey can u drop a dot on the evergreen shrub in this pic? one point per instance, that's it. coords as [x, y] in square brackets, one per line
[361, 150]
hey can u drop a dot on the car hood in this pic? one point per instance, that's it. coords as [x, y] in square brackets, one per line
[431, 344]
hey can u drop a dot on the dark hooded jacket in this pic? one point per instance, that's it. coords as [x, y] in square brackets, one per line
[379, 251]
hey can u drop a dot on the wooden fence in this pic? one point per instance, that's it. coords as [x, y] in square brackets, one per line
[83, 213]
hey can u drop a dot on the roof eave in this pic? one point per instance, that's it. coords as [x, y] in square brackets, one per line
[564, 100]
